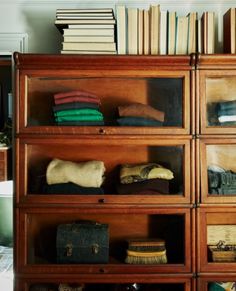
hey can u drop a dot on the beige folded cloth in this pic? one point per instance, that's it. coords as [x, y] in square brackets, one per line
[85, 174]
[141, 110]
[135, 173]
[67, 287]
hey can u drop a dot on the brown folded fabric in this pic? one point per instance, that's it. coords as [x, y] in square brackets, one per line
[151, 186]
[74, 93]
[76, 99]
[141, 110]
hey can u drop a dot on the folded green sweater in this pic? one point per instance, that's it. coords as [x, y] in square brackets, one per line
[81, 111]
[79, 118]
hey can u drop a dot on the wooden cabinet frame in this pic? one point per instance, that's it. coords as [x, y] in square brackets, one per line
[54, 69]
[145, 148]
[30, 221]
[213, 67]
[223, 156]
[210, 215]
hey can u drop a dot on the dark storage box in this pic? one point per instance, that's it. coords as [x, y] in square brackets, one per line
[82, 242]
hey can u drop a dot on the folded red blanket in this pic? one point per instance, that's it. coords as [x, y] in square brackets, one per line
[77, 99]
[75, 93]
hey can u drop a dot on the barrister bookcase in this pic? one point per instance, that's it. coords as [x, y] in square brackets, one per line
[188, 89]
[161, 82]
[215, 151]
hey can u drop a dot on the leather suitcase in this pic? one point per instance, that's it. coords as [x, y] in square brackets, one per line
[82, 242]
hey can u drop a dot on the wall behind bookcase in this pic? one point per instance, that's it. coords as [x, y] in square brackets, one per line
[36, 17]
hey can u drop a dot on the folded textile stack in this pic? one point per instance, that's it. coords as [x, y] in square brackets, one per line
[227, 112]
[221, 181]
[149, 178]
[138, 114]
[66, 177]
[222, 286]
[43, 287]
[67, 287]
[146, 251]
[77, 108]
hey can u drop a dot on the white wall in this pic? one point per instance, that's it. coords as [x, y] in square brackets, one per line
[36, 17]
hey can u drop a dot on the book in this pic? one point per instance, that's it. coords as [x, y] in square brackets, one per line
[82, 16]
[229, 31]
[171, 32]
[91, 26]
[208, 32]
[87, 52]
[86, 38]
[121, 20]
[146, 32]
[163, 33]
[192, 32]
[85, 10]
[199, 36]
[154, 29]
[93, 46]
[140, 31]
[85, 21]
[88, 32]
[132, 31]
[211, 32]
[181, 46]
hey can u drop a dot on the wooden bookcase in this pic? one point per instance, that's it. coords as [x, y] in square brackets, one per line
[215, 146]
[165, 83]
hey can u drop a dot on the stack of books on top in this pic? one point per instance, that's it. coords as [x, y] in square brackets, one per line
[87, 31]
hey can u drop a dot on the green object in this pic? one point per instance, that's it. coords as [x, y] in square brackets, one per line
[220, 286]
[6, 224]
[79, 118]
[79, 112]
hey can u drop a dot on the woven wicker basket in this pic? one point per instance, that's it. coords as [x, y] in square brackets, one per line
[222, 255]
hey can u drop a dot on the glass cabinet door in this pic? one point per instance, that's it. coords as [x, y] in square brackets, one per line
[217, 102]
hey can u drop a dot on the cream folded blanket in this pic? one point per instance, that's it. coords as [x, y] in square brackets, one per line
[85, 174]
[135, 173]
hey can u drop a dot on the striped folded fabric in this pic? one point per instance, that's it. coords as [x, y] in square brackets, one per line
[77, 108]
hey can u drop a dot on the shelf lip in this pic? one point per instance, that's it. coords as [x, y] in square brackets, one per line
[76, 135]
[216, 61]
[217, 207]
[216, 136]
[106, 200]
[146, 208]
[104, 269]
[57, 61]
[126, 278]
[103, 131]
